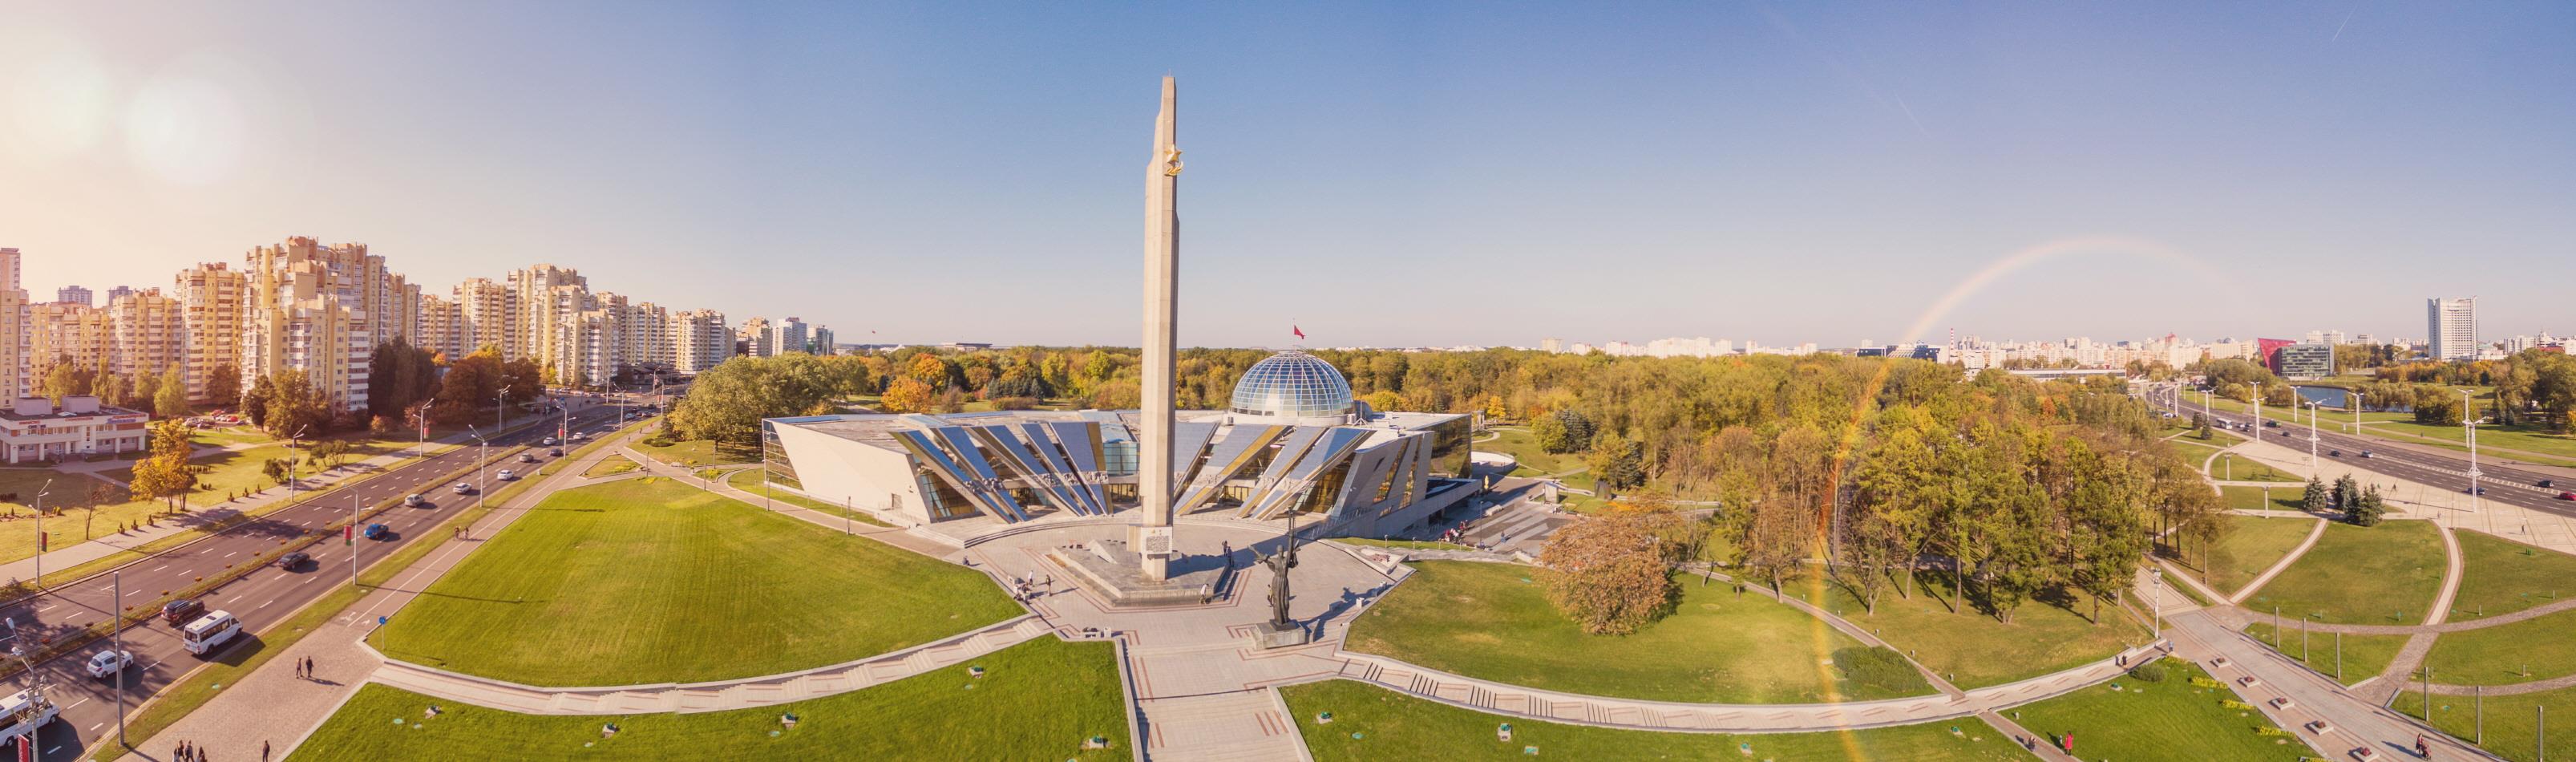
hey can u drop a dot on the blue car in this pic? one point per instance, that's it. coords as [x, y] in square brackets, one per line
[375, 531]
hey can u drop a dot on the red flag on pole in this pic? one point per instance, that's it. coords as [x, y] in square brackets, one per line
[349, 535]
[1301, 333]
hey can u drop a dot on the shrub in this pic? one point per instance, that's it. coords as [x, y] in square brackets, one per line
[2150, 672]
[1015, 403]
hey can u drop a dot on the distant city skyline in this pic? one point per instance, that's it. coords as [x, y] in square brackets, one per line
[1460, 175]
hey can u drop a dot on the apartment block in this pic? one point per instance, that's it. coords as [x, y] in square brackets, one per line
[699, 340]
[210, 304]
[16, 365]
[147, 333]
[443, 329]
[315, 309]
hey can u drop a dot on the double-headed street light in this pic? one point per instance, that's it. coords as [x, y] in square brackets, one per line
[2312, 436]
[2356, 410]
[2469, 421]
[41, 492]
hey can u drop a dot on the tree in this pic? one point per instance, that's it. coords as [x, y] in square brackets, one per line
[254, 403]
[294, 407]
[172, 399]
[2315, 500]
[908, 395]
[2347, 494]
[164, 471]
[223, 385]
[1616, 463]
[1611, 574]
[278, 470]
[2369, 509]
[1570, 431]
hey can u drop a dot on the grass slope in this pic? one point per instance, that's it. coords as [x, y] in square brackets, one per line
[611, 466]
[1036, 701]
[2248, 498]
[748, 480]
[2500, 576]
[1493, 621]
[696, 452]
[2387, 574]
[1370, 723]
[2532, 649]
[2249, 545]
[1973, 649]
[2363, 655]
[2511, 722]
[650, 580]
[2168, 720]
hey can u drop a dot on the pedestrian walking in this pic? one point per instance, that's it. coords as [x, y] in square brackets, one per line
[263, 751]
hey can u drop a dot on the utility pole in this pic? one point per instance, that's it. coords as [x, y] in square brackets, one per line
[116, 581]
[2356, 411]
[2469, 420]
[291, 478]
[2338, 656]
[353, 539]
[41, 492]
[2312, 436]
[422, 450]
[2258, 409]
[2482, 716]
[2160, 600]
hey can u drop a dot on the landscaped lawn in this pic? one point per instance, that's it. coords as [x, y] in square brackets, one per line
[2500, 576]
[651, 580]
[1493, 621]
[611, 466]
[70, 497]
[2249, 545]
[1038, 700]
[2167, 720]
[2539, 648]
[748, 480]
[2244, 498]
[695, 452]
[1521, 444]
[1972, 648]
[2387, 574]
[2243, 469]
[1371, 723]
[2192, 450]
[2363, 655]
[2511, 724]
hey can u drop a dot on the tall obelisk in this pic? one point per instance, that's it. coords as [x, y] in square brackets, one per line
[1153, 535]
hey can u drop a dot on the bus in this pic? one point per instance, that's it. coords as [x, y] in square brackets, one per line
[209, 632]
[26, 711]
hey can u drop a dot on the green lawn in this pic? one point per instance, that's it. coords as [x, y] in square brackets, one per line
[1405, 544]
[2238, 468]
[2532, 649]
[2192, 450]
[2247, 498]
[1493, 621]
[2500, 576]
[611, 466]
[1973, 649]
[2168, 720]
[748, 480]
[2387, 574]
[1038, 700]
[2363, 655]
[651, 580]
[1370, 723]
[696, 452]
[2248, 546]
[1521, 444]
[2511, 724]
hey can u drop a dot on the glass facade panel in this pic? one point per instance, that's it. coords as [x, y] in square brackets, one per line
[1292, 384]
[781, 472]
[1450, 445]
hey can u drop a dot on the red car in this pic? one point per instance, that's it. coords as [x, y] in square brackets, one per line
[2567, 496]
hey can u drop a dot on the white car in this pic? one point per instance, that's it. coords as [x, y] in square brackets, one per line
[110, 662]
[462, 488]
[411, 501]
[505, 475]
[548, 441]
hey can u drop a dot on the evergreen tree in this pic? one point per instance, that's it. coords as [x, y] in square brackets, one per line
[2316, 500]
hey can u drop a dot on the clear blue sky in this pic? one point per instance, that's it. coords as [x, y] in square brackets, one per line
[1416, 174]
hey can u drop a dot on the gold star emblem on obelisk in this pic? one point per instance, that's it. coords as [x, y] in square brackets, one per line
[1172, 163]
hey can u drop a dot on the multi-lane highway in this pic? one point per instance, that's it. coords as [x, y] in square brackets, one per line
[260, 599]
[2503, 484]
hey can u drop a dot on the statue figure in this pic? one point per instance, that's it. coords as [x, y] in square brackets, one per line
[1280, 562]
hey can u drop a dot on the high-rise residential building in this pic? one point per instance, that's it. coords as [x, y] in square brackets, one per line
[443, 329]
[1551, 345]
[17, 368]
[490, 312]
[66, 332]
[548, 298]
[315, 309]
[147, 333]
[821, 342]
[75, 294]
[755, 335]
[2451, 326]
[648, 336]
[699, 340]
[210, 304]
[788, 336]
[113, 294]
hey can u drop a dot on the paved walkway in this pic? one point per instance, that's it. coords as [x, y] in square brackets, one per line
[271, 706]
[2283, 565]
[709, 696]
[2231, 657]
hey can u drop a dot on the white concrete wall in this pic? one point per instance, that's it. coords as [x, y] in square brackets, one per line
[835, 469]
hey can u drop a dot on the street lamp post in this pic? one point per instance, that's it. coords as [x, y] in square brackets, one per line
[422, 449]
[291, 478]
[2258, 409]
[353, 539]
[2469, 420]
[117, 581]
[2160, 600]
[2312, 436]
[483, 469]
[41, 492]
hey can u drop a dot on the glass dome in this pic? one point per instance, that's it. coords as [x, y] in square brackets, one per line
[1292, 384]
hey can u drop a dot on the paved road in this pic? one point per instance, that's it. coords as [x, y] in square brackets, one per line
[259, 599]
[2507, 485]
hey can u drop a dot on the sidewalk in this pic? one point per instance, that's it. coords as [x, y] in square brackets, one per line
[273, 706]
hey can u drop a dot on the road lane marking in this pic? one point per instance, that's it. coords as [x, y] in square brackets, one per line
[161, 567]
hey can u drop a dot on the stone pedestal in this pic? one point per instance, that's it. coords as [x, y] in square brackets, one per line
[1265, 635]
[1112, 571]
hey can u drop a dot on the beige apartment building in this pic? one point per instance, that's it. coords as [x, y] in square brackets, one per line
[490, 316]
[148, 333]
[314, 308]
[442, 327]
[210, 304]
[16, 365]
[60, 332]
[699, 340]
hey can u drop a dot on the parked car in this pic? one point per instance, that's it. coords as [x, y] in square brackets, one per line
[375, 532]
[292, 560]
[182, 610]
[412, 501]
[109, 662]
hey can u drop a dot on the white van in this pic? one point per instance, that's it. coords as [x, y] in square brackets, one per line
[209, 632]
